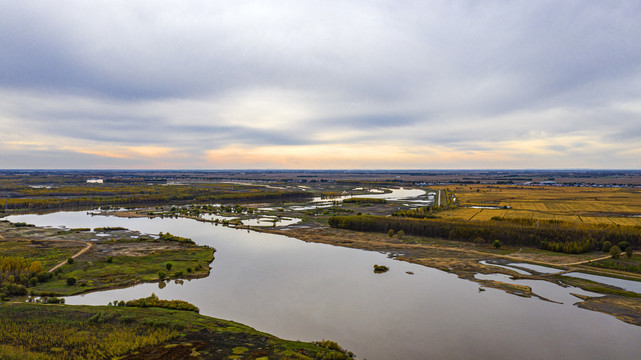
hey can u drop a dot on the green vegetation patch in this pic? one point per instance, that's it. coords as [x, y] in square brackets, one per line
[35, 331]
[108, 228]
[170, 237]
[154, 301]
[380, 268]
[623, 263]
[47, 252]
[363, 200]
[106, 195]
[554, 236]
[117, 271]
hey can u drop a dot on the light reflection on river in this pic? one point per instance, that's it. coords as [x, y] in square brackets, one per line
[394, 194]
[307, 291]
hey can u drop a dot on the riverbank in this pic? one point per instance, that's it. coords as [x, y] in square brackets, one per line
[43, 332]
[463, 259]
[115, 258]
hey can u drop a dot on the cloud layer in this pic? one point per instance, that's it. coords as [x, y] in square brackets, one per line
[302, 84]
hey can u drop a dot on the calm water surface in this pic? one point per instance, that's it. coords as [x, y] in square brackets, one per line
[307, 291]
[622, 283]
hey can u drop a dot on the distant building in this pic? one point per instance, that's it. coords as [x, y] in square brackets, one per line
[95, 181]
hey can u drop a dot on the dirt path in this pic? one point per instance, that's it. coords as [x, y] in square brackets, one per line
[84, 250]
[587, 261]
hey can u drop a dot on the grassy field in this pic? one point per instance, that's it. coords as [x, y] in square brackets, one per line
[187, 262]
[49, 246]
[49, 253]
[574, 204]
[44, 332]
[114, 261]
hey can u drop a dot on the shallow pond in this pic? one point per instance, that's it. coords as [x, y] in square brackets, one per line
[307, 291]
[517, 270]
[394, 194]
[538, 268]
[542, 288]
[629, 285]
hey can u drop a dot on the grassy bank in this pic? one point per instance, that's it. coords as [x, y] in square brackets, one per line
[43, 332]
[121, 259]
[462, 259]
[90, 275]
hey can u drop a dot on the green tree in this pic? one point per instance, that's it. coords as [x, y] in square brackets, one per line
[623, 245]
[628, 252]
[168, 266]
[615, 251]
[496, 243]
[606, 246]
[400, 234]
[70, 261]
[71, 281]
[390, 233]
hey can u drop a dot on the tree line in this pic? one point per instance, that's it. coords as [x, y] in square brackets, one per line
[54, 203]
[363, 200]
[555, 236]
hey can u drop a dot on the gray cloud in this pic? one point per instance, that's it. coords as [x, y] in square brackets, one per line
[452, 74]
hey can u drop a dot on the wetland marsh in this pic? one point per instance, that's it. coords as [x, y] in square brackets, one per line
[307, 291]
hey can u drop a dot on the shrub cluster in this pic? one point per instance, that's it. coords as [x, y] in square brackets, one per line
[154, 301]
[170, 237]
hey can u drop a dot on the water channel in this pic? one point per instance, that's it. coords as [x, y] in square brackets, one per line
[308, 291]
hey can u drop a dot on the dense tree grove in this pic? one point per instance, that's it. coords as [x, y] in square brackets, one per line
[550, 235]
[17, 273]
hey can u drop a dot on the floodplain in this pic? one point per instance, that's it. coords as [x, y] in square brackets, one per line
[236, 224]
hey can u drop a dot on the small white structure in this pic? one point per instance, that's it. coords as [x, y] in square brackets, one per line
[94, 181]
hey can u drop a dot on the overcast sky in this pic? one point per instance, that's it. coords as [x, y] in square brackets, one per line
[320, 84]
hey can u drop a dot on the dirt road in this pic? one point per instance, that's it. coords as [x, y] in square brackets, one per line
[84, 250]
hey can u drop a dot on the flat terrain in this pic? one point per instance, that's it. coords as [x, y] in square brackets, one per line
[48, 332]
[621, 206]
[463, 259]
[112, 261]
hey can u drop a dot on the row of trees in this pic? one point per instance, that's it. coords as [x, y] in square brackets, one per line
[423, 212]
[54, 203]
[561, 237]
[154, 301]
[170, 237]
[363, 200]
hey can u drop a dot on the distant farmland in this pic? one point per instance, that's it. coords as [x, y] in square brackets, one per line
[620, 206]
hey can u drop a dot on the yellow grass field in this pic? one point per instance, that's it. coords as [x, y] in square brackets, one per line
[575, 204]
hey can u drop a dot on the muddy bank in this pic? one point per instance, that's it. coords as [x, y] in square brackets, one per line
[624, 308]
[464, 262]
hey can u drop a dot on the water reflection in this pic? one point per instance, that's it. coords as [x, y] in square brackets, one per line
[519, 271]
[308, 291]
[538, 268]
[629, 285]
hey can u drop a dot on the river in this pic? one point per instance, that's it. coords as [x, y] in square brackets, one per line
[309, 291]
